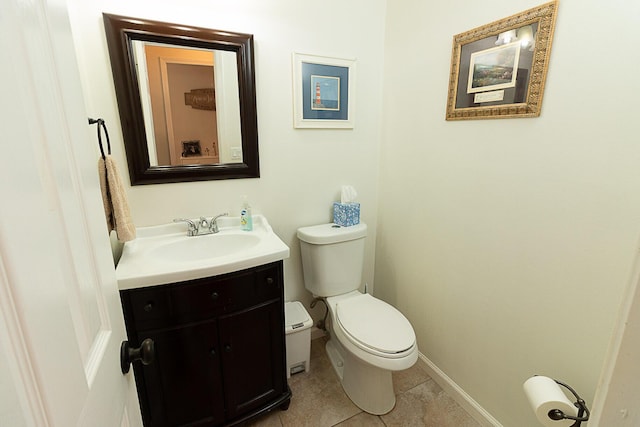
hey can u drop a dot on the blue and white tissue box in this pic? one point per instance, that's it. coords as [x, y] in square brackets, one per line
[346, 214]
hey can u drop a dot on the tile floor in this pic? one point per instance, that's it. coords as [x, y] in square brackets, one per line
[319, 401]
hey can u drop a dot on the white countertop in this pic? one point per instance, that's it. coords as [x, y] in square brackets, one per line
[165, 254]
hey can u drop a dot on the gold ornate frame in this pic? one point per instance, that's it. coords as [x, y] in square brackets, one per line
[525, 98]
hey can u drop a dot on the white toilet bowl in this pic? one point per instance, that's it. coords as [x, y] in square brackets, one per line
[370, 339]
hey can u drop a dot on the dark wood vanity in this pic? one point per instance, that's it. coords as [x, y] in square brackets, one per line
[219, 348]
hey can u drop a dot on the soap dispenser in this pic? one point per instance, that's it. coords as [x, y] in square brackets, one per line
[246, 222]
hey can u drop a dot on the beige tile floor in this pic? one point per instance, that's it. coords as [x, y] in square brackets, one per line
[319, 401]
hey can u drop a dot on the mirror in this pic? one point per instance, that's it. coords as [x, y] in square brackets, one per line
[499, 70]
[186, 98]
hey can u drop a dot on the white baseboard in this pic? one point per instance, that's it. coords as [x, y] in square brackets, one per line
[472, 407]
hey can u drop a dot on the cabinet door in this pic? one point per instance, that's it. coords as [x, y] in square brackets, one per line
[183, 385]
[253, 357]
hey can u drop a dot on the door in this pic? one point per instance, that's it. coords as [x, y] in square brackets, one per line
[183, 386]
[253, 357]
[61, 323]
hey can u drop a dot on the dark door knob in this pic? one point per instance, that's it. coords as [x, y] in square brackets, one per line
[145, 353]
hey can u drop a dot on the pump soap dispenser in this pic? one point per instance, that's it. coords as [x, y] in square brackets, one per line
[246, 222]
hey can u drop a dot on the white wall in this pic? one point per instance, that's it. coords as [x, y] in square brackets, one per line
[301, 170]
[508, 243]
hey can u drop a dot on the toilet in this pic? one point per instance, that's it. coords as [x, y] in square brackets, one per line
[368, 338]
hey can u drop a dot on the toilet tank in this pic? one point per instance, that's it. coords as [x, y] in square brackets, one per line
[332, 258]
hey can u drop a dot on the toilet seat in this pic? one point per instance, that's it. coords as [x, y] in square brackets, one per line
[375, 326]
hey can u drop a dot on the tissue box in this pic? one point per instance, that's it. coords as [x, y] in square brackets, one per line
[346, 214]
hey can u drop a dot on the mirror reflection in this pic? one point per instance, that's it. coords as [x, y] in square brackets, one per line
[190, 104]
[187, 100]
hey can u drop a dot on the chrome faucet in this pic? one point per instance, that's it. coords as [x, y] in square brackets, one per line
[213, 223]
[192, 229]
[203, 226]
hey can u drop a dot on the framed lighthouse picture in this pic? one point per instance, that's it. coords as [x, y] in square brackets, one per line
[323, 91]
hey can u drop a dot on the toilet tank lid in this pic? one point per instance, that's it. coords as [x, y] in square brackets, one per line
[325, 234]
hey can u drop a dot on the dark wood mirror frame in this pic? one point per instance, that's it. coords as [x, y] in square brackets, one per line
[120, 33]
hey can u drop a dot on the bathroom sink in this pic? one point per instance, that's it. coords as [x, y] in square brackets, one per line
[165, 254]
[204, 247]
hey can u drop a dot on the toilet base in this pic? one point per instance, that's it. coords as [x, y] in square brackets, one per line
[336, 358]
[369, 388]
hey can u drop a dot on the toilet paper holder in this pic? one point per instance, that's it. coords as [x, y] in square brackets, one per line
[583, 410]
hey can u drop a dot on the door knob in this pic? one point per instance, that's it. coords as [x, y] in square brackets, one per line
[145, 353]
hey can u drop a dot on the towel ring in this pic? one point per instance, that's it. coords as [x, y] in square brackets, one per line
[101, 125]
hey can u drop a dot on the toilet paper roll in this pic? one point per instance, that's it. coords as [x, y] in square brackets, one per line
[545, 394]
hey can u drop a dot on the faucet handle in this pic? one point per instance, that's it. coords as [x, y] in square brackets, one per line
[213, 223]
[192, 229]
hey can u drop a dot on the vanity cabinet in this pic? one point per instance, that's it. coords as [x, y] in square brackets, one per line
[219, 348]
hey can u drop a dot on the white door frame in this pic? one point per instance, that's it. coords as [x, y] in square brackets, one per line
[618, 393]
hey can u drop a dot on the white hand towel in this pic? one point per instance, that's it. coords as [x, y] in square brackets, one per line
[114, 198]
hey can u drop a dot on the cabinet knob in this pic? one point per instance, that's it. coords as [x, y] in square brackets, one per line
[269, 280]
[214, 296]
[212, 352]
[148, 306]
[145, 353]
[227, 348]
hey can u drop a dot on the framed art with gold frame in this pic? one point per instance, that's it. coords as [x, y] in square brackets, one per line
[499, 70]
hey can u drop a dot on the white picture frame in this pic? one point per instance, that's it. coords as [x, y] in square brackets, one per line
[493, 69]
[323, 92]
